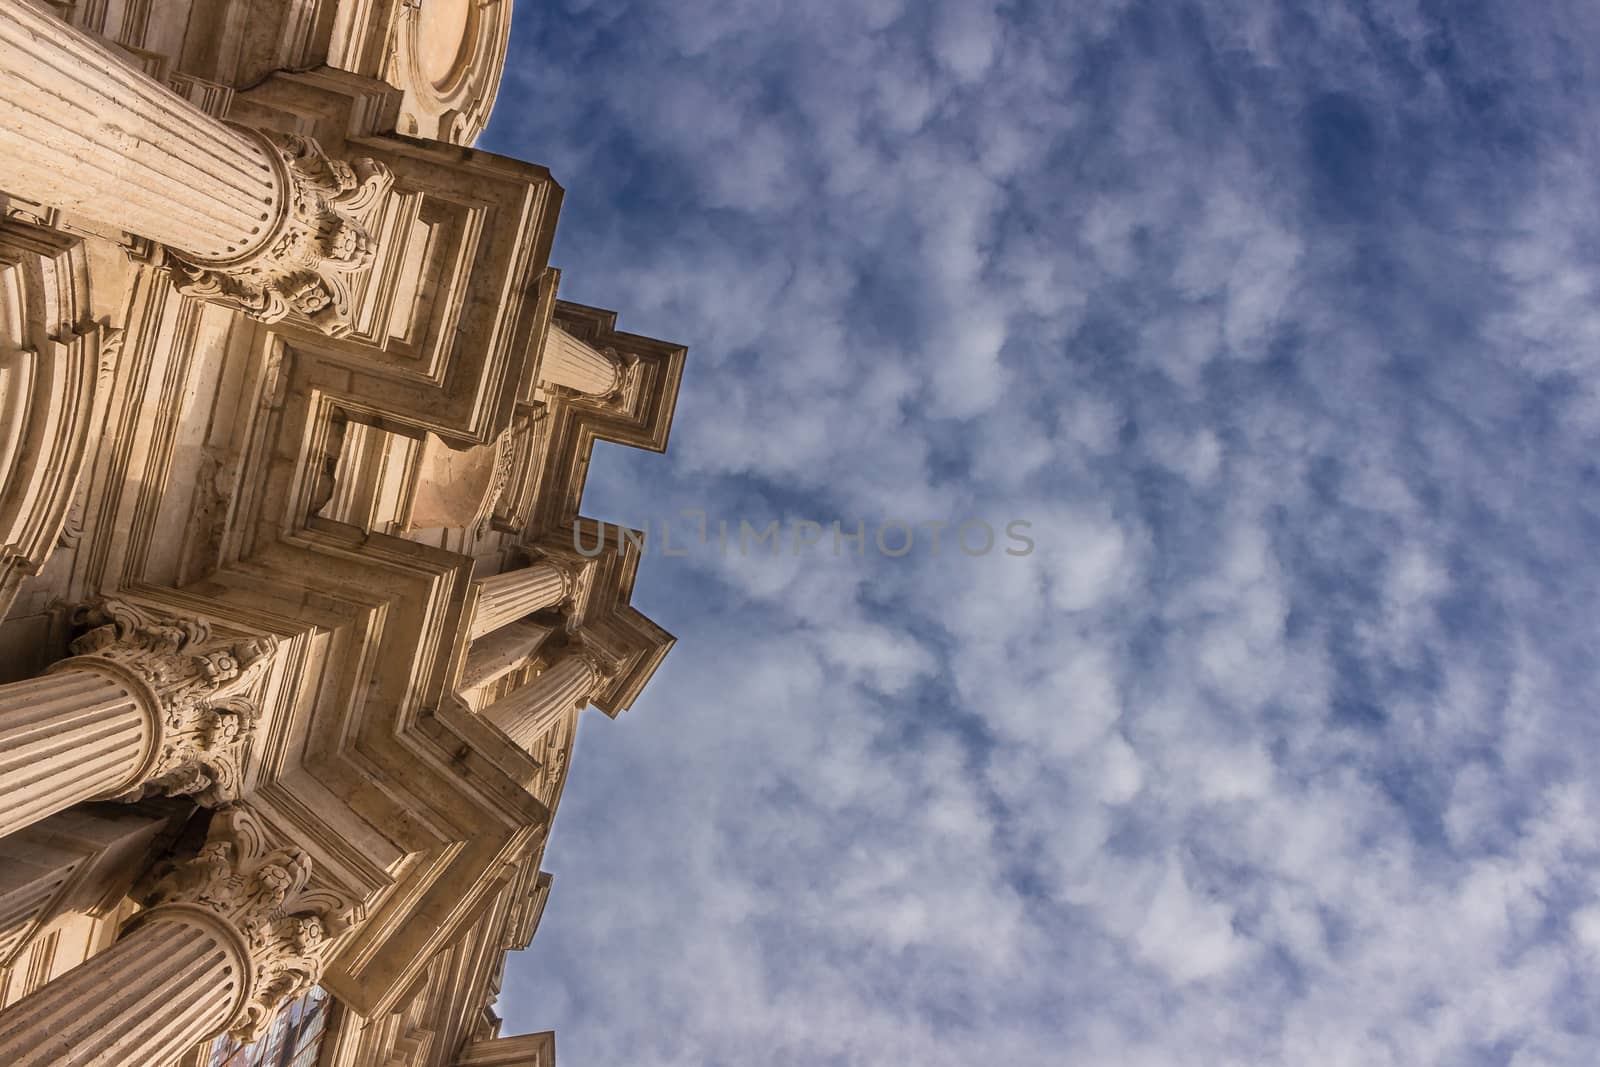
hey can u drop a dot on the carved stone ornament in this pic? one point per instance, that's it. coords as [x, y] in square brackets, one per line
[627, 364]
[321, 235]
[199, 686]
[505, 461]
[265, 894]
[555, 764]
[606, 666]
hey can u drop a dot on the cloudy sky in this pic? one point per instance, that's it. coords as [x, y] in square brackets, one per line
[1278, 324]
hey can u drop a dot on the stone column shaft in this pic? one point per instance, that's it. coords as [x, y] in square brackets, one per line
[497, 654]
[75, 860]
[527, 713]
[84, 131]
[226, 937]
[258, 221]
[508, 597]
[576, 365]
[70, 735]
[173, 981]
[149, 703]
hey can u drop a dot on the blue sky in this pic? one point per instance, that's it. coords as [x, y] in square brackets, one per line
[1278, 323]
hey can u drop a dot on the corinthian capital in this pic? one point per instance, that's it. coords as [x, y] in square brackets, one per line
[195, 688]
[320, 235]
[265, 894]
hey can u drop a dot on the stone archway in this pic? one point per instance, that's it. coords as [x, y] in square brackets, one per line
[49, 360]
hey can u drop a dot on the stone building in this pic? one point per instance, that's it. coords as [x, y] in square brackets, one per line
[300, 611]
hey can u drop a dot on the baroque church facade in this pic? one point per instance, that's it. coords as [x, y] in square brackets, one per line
[300, 608]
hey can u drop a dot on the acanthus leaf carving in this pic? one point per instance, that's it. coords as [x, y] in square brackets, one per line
[322, 237]
[265, 893]
[201, 689]
[505, 461]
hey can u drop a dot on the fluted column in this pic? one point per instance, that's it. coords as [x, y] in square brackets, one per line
[148, 704]
[576, 365]
[527, 713]
[227, 937]
[170, 983]
[73, 734]
[263, 222]
[497, 654]
[72, 861]
[507, 597]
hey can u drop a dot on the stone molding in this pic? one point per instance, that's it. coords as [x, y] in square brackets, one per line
[321, 235]
[505, 461]
[193, 686]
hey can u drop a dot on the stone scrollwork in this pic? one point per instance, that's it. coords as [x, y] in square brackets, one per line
[321, 236]
[265, 894]
[627, 365]
[197, 686]
[554, 764]
[505, 461]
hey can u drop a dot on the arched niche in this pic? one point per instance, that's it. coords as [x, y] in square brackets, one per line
[448, 56]
[458, 488]
[49, 358]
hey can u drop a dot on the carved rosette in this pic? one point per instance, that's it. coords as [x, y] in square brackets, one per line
[265, 894]
[195, 686]
[321, 236]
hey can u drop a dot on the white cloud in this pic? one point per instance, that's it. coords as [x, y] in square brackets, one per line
[1276, 749]
[1187, 936]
